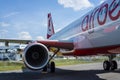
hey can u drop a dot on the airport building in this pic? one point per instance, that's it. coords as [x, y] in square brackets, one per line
[13, 52]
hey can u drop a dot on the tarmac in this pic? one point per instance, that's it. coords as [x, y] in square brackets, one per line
[89, 71]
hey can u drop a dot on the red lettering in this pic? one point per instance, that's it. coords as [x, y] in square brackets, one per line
[112, 10]
[91, 21]
[94, 17]
[102, 22]
[85, 21]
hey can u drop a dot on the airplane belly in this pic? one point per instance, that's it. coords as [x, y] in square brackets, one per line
[103, 41]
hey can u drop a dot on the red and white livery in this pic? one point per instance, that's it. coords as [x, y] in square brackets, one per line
[96, 32]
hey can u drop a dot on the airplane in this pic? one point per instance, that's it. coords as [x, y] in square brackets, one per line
[95, 33]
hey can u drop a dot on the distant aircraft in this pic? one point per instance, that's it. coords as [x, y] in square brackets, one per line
[95, 33]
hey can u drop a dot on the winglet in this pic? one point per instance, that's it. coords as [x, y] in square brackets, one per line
[50, 30]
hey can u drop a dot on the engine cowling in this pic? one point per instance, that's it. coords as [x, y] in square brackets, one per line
[36, 56]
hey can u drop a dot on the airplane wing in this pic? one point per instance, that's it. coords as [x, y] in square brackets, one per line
[58, 44]
[15, 41]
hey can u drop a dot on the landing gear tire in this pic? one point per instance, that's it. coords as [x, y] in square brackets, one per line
[52, 67]
[110, 65]
[113, 65]
[106, 65]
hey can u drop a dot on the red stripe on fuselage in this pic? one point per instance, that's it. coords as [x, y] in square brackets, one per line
[100, 50]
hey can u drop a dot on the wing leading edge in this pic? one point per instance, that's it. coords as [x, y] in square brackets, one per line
[15, 41]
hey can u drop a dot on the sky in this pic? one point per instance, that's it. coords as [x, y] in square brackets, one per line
[27, 19]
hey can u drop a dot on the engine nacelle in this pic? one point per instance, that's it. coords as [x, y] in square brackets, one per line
[36, 56]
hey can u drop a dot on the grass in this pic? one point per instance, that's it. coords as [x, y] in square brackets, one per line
[8, 66]
[74, 61]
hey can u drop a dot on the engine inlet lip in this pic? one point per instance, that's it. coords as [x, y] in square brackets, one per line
[25, 52]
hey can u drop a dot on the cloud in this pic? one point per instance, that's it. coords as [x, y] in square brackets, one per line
[3, 33]
[102, 1]
[10, 14]
[40, 38]
[76, 4]
[25, 35]
[4, 24]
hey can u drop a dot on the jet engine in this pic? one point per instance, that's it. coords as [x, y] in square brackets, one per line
[36, 56]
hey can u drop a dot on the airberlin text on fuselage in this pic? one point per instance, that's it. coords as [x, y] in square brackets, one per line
[109, 9]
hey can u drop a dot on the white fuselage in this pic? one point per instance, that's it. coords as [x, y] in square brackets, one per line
[98, 28]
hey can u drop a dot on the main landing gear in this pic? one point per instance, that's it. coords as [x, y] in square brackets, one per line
[51, 64]
[110, 64]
